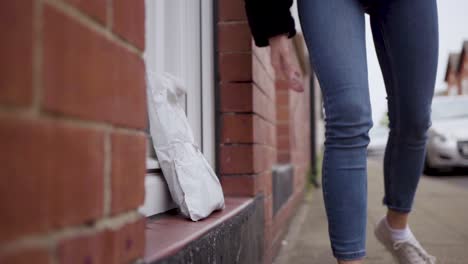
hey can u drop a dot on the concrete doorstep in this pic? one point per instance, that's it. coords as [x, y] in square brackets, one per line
[439, 220]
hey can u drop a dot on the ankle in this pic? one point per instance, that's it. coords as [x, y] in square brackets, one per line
[397, 220]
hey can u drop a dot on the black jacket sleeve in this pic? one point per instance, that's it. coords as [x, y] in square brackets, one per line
[268, 18]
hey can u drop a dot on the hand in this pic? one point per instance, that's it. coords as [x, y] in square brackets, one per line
[285, 69]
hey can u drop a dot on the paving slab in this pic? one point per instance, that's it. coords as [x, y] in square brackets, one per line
[439, 220]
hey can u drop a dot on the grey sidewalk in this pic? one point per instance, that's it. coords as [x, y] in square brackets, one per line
[439, 220]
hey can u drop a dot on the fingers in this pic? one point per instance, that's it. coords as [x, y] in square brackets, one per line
[293, 77]
[292, 73]
[286, 71]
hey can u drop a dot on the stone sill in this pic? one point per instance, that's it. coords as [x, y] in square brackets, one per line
[169, 233]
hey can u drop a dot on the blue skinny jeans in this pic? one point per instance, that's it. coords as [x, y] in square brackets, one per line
[405, 34]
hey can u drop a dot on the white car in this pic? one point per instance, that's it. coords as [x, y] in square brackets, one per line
[447, 145]
[378, 140]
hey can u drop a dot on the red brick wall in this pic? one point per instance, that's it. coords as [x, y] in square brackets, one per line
[72, 110]
[283, 128]
[255, 118]
[293, 143]
[247, 106]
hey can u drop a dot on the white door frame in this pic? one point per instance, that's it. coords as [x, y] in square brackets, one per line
[187, 44]
[207, 96]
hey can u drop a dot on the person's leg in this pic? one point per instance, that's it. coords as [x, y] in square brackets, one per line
[406, 39]
[334, 32]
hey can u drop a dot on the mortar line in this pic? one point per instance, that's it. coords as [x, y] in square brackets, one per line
[107, 174]
[110, 15]
[37, 58]
[51, 239]
[84, 20]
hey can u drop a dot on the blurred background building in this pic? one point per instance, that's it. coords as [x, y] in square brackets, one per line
[456, 75]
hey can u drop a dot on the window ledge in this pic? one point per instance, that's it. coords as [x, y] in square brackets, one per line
[169, 233]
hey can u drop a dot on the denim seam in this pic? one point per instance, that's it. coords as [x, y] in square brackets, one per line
[325, 97]
[350, 252]
[350, 255]
[400, 209]
[394, 143]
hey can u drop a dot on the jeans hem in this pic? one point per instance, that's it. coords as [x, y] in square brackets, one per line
[350, 255]
[399, 209]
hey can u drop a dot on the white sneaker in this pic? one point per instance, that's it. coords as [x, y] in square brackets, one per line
[408, 251]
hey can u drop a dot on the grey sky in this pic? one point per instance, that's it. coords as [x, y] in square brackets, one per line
[453, 29]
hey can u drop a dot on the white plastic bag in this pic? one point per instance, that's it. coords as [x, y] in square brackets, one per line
[193, 185]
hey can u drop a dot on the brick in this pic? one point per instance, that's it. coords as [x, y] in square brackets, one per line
[77, 169]
[284, 157]
[264, 131]
[129, 21]
[229, 10]
[237, 128]
[263, 56]
[264, 158]
[26, 256]
[95, 8]
[122, 245]
[239, 185]
[282, 98]
[267, 183]
[128, 171]
[262, 79]
[52, 173]
[263, 105]
[16, 49]
[246, 98]
[234, 37]
[87, 76]
[282, 113]
[300, 175]
[246, 159]
[283, 143]
[264, 183]
[236, 97]
[236, 159]
[282, 129]
[129, 241]
[282, 85]
[235, 67]
[85, 249]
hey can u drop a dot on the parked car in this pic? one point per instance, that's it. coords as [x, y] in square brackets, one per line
[447, 145]
[378, 140]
